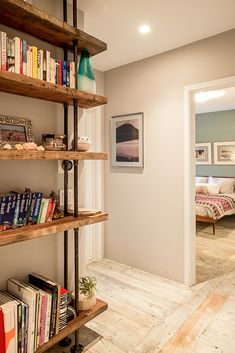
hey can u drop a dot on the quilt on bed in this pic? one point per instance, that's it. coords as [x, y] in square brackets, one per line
[216, 205]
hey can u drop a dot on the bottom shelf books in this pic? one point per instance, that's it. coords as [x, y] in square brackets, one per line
[31, 313]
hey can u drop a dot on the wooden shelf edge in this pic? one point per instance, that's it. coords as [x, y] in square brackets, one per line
[27, 18]
[51, 155]
[75, 325]
[36, 231]
[13, 83]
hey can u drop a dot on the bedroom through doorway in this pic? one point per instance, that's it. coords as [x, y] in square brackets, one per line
[215, 182]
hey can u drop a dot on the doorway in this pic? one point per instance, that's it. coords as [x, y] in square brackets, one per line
[189, 172]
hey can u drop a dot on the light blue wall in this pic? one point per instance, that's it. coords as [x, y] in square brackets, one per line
[215, 127]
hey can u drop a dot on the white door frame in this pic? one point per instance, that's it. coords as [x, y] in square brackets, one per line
[189, 173]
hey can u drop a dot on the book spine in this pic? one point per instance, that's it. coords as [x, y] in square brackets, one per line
[29, 61]
[64, 74]
[35, 62]
[17, 210]
[19, 326]
[43, 319]
[17, 54]
[48, 66]
[48, 318]
[57, 70]
[2, 212]
[2, 334]
[51, 211]
[3, 44]
[53, 70]
[24, 59]
[37, 207]
[7, 214]
[21, 57]
[61, 72]
[13, 207]
[48, 209]
[25, 215]
[72, 74]
[26, 325]
[44, 65]
[10, 55]
[40, 64]
[21, 216]
[28, 213]
[68, 73]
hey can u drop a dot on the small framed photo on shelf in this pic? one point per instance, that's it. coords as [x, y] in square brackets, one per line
[203, 153]
[224, 153]
[127, 140]
[15, 130]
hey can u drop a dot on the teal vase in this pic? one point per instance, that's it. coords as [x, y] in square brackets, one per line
[86, 77]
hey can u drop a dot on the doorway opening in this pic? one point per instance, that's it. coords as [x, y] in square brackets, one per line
[206, 254]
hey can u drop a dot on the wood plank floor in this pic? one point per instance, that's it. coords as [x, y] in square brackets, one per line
[148, 314]
[215, 253]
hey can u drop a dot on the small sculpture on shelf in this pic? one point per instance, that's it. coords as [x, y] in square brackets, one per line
[84, 144]
[58, 213]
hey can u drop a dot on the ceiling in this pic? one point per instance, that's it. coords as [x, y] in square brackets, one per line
[225, 102]
[174, 23]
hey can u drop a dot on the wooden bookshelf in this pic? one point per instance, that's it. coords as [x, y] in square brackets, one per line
[74, 325]
[29, 19]
[34, 88]
[51, 155]
[36, 231]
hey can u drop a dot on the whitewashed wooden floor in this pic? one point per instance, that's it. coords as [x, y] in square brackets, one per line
[148, 314]
[215, 253]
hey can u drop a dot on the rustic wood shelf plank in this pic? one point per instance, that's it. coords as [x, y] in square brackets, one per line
[75, 325]
[51, 155]
[11, 82]
[36, 231]
[29, 19]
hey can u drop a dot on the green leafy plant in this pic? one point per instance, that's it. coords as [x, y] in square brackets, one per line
[88, 286]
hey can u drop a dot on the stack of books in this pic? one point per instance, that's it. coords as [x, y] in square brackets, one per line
[18, 209]
[31, 313]
[19, 57]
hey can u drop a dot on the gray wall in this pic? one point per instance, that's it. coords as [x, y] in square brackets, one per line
[215, 127]
[146, 207]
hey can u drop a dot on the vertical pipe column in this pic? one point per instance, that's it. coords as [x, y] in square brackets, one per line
[77, 347]
[65, 167]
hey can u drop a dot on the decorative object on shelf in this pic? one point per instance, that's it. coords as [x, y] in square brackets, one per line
[7, 146]
[87, 298]
[58, 213]
[29, 146]
[84, 144]
[127, 140]
[53, 142]
[86, 77]
[15, 131]
[18, 146]
[203, 153]
[224, 153]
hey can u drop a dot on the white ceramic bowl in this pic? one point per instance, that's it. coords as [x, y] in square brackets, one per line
[84, 146]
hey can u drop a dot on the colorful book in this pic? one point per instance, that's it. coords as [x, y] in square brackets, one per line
[64, 73]
[2, 332]
[7, 214]
[23, 292]
[40, 64]
[17, 43]
[24, 57]
[3, 204]
[53, 288]
[53, 70]
[10, 324]
[10, 55]
[44, 65]
[72, 74]
[35, 62]
[3, 46]
[64, 302]
[29, 61]
[48, 66]
[37, 207]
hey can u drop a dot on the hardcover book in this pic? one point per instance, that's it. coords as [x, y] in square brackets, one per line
[3, 45]
[2, 332]
[10, 55]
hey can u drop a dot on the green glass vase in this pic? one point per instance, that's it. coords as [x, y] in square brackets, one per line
[86, 77]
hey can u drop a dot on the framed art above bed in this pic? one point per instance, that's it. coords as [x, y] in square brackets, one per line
[224, 153]
[203, 153]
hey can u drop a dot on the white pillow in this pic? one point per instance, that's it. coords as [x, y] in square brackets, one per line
[204, 188]
[201, 179]
[226, 184]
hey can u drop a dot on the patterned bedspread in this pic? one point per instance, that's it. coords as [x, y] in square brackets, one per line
[216, 205]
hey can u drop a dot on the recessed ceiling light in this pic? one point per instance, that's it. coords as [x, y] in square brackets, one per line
[205, 96]
[144, 29]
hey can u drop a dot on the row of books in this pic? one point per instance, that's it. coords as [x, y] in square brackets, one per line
[31, 313]
[19, 57]
[18, 209]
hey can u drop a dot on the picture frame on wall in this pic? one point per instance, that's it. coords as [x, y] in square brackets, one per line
[15, 130]
[203, 153]
[127, 140]
[224, 153]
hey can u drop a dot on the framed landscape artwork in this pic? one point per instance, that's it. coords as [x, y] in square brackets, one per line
[224, 153]
[15, 130]
[127, 140]
[203, 153]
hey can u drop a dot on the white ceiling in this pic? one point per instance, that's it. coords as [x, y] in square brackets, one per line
[226, 102]
[174, 23]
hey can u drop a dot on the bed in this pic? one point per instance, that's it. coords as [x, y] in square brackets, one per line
[215, 198]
